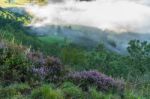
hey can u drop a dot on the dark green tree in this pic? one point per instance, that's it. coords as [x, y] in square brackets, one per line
[139, 55]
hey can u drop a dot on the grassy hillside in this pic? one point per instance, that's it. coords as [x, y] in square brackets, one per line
[12, 22]
[74, 73]
[12, 26]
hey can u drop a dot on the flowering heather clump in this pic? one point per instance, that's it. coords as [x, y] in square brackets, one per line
[36, 57]
[2, 45]
[41, 71]
[46, 68]
[90, 78]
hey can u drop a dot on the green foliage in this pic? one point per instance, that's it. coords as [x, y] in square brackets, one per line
[139, 88]
[139, 49]
[16, 67]
[11, 26]
[46, 92]
[14, 90]
[73, 56]
[13, 63]
[132, 95]
[8, 15]
[72, 91]
[94, 94]
[139, 56]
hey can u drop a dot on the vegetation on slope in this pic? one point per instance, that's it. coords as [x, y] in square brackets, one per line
[32, 73]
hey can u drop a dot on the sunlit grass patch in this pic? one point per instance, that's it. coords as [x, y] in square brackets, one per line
[53, 39]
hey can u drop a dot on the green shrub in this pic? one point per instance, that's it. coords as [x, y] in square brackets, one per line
[14, 90]
[73, 56]
[139, 57]
[131, 95]
[46, 92]
[7, 92]
[139, 89]
[21, 87]
[13, 63]
[47, 68]
[72, 91]
[94, 94]
[108, 62]
[6, 14]
[11, 26]
[19, 97]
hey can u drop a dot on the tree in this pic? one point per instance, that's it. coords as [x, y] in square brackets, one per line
[139, 49]
[139, 56]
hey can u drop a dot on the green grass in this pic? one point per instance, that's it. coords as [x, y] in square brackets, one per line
[12, 26]
[52, 39]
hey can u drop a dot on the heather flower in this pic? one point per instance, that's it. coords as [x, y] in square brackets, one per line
[2, 45]
[36, 57]
[90, 78]
[42, 72]
[46, 67]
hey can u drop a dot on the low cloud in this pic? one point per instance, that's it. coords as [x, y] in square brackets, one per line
[122, 19]
[114, 15]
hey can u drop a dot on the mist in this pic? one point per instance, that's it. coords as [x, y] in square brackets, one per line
[117, 17]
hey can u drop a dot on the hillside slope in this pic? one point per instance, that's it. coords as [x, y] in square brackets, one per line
[76, 72]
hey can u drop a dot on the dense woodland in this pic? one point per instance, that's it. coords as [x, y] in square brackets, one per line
[31, 68]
